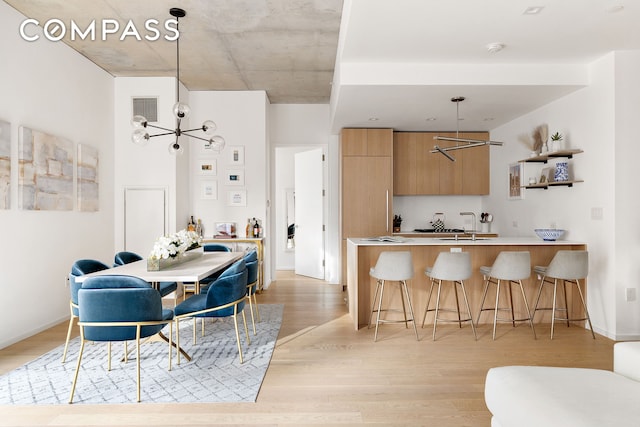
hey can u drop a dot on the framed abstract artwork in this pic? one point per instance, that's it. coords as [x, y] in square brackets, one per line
[45, 178]
[515, 181]
[5, 164]
[87, 179]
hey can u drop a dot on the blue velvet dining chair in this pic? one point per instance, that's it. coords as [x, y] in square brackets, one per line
[125, 257]
[119, 308]
[204, 283]
[251, 260]
[79, 268]
[215, 247]
[224, 298]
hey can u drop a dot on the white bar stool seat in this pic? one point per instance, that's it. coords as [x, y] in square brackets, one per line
[513, 267]
[393, 267]
[454, 267]
[568, 266]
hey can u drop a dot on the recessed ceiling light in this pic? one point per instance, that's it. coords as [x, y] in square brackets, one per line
[373, 119]
[488, 119]
[430, 119]
[494, 47]
[533, 10]
[614, 8]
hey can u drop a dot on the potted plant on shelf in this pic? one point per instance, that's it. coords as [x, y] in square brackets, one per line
[556, 141]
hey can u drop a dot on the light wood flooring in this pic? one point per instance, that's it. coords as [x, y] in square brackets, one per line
[323, 373]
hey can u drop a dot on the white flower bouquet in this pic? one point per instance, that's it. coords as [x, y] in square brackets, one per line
[175, 244]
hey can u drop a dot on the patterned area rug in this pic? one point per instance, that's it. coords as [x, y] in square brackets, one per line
[213, 375]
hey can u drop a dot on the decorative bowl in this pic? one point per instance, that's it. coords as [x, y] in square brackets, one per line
[549, 234]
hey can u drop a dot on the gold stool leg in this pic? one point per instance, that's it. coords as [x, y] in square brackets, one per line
[413, 319]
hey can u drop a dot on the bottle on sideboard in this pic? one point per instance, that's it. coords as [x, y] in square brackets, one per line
[256, 228]
[191, 225]
[249, 229]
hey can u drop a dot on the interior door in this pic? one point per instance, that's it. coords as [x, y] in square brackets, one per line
[144, 218]
[309, 209]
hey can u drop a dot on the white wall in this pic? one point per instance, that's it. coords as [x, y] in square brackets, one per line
[598, 119]
[627, 230]
[241, 117]
[150, 165]
[48, 86]
[299, 127]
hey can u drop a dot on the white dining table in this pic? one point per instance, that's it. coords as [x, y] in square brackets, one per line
[199, 265]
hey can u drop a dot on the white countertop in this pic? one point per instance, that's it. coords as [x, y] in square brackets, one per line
[481, 241]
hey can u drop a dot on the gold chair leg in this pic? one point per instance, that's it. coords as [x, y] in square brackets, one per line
[170, 343]
[413, 318]
[466, 302]
[235, 323]
[255, 300]
[426, 309]
[109, 356]
[66, 344]
[375, 336]
[75, 376]
[526, 305]
[495, 309]
[138, 328]
[437, 309]
[178, 338]
[373, 305]
[246, 330]
[253, 321]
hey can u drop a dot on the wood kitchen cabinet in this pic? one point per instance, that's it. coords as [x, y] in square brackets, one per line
[366, 207]
[417, 171]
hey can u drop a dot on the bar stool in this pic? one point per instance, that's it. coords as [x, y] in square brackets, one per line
[398, 267]
[511, 267]
[454, 267]
[568, 266]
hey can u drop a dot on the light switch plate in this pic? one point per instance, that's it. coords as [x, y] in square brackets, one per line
[596, 214]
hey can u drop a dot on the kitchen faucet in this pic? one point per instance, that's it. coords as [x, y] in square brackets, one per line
[473, 229]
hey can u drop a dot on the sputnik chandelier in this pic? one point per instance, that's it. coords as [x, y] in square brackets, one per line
[467, 143]
[181, 111]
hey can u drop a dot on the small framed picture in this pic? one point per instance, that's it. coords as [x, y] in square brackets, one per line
[207, 167]
[235, 155]
[209, 190]
[544, 175]
[235, 177]
[515, 181]
[237, 198]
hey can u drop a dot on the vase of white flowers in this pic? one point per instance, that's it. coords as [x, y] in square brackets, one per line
[172, 249]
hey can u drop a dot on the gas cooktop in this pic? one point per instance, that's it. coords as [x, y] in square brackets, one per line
[444, 230]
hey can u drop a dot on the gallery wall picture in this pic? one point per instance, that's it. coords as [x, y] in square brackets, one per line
[209, 190]
[235, 155]
[88, 188]
[237, 198]
[207, 167]
[45, 175]
[235, 177]
[515, 181]
[5, 164]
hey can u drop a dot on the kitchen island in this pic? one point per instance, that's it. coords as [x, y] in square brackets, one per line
[362, 254]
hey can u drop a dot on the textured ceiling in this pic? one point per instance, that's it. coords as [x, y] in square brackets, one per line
[285, 47]
[399, 62]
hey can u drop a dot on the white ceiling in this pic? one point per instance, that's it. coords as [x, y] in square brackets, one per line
[398, 61]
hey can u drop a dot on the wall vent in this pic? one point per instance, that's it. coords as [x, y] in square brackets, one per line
[147, 107]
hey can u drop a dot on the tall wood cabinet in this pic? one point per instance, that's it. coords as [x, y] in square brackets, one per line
[417, 171]
[366, 185]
